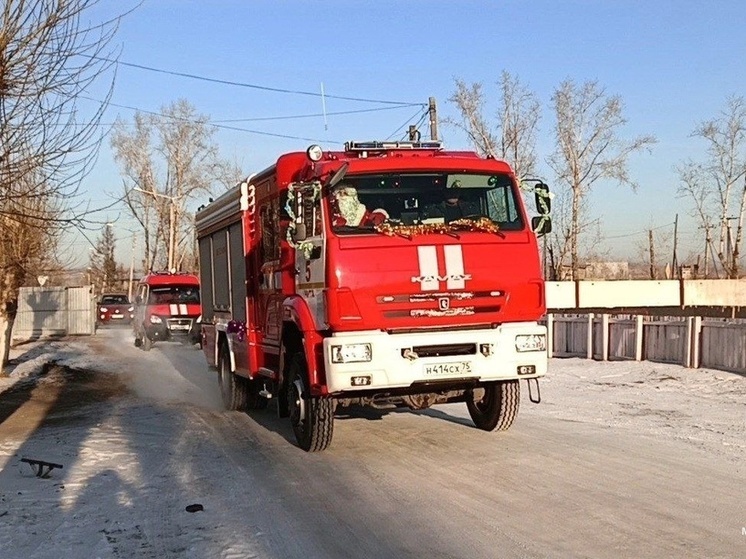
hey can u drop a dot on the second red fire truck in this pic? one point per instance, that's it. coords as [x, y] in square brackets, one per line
[386, 274]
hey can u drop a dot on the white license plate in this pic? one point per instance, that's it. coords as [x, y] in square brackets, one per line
[117, 316]
[459, 368]
[180, 327]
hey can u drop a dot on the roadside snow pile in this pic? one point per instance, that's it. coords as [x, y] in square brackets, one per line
[702, 406]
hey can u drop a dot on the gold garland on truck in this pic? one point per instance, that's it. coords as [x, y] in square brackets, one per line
[483, 224]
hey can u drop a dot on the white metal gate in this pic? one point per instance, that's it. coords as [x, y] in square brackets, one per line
[54, 311]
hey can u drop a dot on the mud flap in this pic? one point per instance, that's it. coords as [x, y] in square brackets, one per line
[534, 394]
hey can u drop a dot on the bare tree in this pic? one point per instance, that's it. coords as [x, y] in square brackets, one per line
[589, 148]
[717, 187]
[167, 161]
[50, 55]
[513, 138]
[104, 270]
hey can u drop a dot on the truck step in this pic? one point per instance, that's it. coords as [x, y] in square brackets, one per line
[269, 373]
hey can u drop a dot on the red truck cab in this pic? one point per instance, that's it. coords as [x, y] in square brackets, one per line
[167, 306]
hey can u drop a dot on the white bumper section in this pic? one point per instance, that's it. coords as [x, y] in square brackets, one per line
[495, 357]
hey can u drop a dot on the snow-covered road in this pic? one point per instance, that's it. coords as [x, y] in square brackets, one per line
[619, 460]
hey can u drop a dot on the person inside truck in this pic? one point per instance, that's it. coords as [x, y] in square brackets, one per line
[452, 207]
[349, 211]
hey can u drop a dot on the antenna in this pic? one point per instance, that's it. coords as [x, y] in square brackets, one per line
[323, 106]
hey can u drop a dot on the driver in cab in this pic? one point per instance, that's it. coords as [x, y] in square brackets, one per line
[453, 206]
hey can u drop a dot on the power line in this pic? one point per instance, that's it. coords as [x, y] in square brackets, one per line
[639, 232]
[315, 115]
[221, 126]
[422, 119]
[252, 86]
[215, 123]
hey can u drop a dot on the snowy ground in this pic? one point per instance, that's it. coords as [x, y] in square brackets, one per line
[120, 421]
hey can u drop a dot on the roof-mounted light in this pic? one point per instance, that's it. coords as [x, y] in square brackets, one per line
[314, 153]
[380, 146]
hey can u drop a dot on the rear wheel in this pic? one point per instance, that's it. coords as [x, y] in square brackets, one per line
[494, 406]
[312, 418]
[232, 388]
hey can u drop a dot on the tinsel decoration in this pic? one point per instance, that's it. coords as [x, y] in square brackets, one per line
[483, 224]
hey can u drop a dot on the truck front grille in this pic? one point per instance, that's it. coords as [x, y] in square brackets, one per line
[445, 350]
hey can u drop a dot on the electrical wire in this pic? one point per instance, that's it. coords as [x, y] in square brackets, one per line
[406, 123]
[639, 232]
[249, 85]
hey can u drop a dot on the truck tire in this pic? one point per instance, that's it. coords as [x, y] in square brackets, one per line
[312, 418]
[497, 408]
[232, 388]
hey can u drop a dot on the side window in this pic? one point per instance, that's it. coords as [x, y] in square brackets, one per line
[270, 216]
[311, 212]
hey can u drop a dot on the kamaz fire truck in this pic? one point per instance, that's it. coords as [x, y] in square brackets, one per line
[387, 274]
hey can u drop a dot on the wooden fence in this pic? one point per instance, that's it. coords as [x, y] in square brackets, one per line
[691, 341]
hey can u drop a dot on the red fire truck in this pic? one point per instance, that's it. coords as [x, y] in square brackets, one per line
[389, 274]
[166, 308]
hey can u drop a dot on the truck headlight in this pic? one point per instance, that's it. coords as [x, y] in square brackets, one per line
[103, 309]
[352, 353]
[530, 342]
[155, 319]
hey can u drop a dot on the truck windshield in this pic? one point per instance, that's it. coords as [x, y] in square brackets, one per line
[359, 203]
[173, 295]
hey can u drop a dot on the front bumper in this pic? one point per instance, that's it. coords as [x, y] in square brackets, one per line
[170, 328]
[482, 355]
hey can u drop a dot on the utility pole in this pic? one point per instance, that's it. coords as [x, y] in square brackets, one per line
[432, 111]
[652, 254]
[132, 268]
[730, 247]
[708, 240]
[674, 262]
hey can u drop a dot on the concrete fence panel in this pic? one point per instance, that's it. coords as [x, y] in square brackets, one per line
[622, 339]
[666, 341]
[723, 345]
[570, 336]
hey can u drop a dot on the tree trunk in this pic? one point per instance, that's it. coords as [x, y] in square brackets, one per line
[6, 330]
[574, 233]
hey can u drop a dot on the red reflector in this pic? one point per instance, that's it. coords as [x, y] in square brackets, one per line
[345, 307]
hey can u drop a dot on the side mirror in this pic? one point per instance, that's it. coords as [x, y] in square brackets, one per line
[542, 199]
[299, 234]
[541, 225]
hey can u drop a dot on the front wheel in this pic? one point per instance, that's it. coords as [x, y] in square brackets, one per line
[312, 418]
[497, 407]
[232, 388]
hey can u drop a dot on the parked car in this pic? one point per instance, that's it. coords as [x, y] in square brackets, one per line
[115, 308]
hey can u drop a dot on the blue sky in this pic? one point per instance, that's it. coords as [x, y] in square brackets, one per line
[674, 64]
